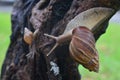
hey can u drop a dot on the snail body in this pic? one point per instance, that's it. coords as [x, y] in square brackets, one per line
[80, 32]
[91, 18]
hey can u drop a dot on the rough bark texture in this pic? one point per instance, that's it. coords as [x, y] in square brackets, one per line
[48, 16]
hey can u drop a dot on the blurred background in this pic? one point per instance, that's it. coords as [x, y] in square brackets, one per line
[107, 45]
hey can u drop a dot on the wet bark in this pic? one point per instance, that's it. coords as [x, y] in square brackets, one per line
[47, 16]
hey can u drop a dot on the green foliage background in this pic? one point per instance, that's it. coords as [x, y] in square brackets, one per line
[107, 45]
[5, 31]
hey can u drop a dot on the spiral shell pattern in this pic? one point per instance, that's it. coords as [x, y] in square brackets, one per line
[82, 48]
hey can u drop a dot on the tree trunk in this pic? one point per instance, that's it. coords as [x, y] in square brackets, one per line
[47, 16]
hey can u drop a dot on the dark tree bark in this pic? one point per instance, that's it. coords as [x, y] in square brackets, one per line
[48, 16]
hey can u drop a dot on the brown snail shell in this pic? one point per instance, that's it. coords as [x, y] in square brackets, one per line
[28, 36]
[82, 48]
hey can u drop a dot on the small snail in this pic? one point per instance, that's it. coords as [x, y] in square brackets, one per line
[29, 35]
[82, 48]
[28, 38]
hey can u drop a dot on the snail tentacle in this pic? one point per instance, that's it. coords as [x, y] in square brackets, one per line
[51, 36]
[60, 39]
[55, 46]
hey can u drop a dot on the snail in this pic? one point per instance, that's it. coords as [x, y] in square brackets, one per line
[29, 35]
[87, 21]
[28, 38]
[91, 18]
